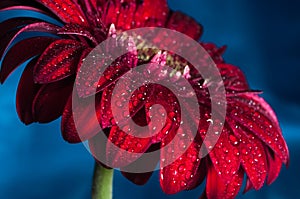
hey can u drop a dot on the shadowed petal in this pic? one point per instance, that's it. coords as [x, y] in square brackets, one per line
[13, 25]
[184, 24]
[11, 61]
[26, 92]
[87, 124]
[75, 29]
[145, 163]
[51, 99]
[274, 166]
[58, 61]
[8, 39]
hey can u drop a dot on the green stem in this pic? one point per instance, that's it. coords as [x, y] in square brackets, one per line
[102, 182]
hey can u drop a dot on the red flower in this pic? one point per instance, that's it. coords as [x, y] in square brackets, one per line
[250, 142]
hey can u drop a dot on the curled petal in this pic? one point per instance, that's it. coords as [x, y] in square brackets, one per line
[11, 61]
[14, 24]
[58, 61]
[7, 41]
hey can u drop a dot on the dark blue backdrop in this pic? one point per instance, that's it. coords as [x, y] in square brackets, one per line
[263, 39]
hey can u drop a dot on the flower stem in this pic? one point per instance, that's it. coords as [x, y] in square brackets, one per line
[102, 182]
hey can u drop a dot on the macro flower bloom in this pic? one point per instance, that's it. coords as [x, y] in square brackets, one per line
[250, 143]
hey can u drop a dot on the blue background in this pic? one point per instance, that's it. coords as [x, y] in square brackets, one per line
[263, 39]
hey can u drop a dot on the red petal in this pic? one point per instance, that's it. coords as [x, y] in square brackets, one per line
[253, 157]
[51, 99]
[256, 115]
[130, 142]
[214, 52]
[66, 10]
[136, 102]
[180, 159]
[132, 14]
[181, 174]
[58, 61]
[7, 41]
[147, 165]
[87, 124]
[167, 117]
[151, 13]
[126, 16]
[11, 61]
[224, 156]
[233, 78]
[75, 29]
[274, 166]
[184, 24]
[26, 92]
[216, 188]
[88, 80]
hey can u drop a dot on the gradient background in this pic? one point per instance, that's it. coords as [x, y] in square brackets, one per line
[263, 38]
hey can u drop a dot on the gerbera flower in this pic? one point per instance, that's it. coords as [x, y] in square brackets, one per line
[250, 143]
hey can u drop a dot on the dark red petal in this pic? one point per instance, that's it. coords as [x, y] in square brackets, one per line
[136, 102]
[126, 16]
[233, 78]
[142, 163]
[184, 24]
[248, 186]
[253, 157]
[216, 188]
[51, 99]
[66, 10]
[180, 158]
[75, 29]
[87, 124]
[151, 13]
[88, 82]
[8, 39]
[274, 166]
[165, 119]
[58, 61]
[34, 46]
[130, 143]
[252, 112]
[26, 92]
[214, 52]
[137, 178]
[15, 24]
[224, 156]
[181, 174]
